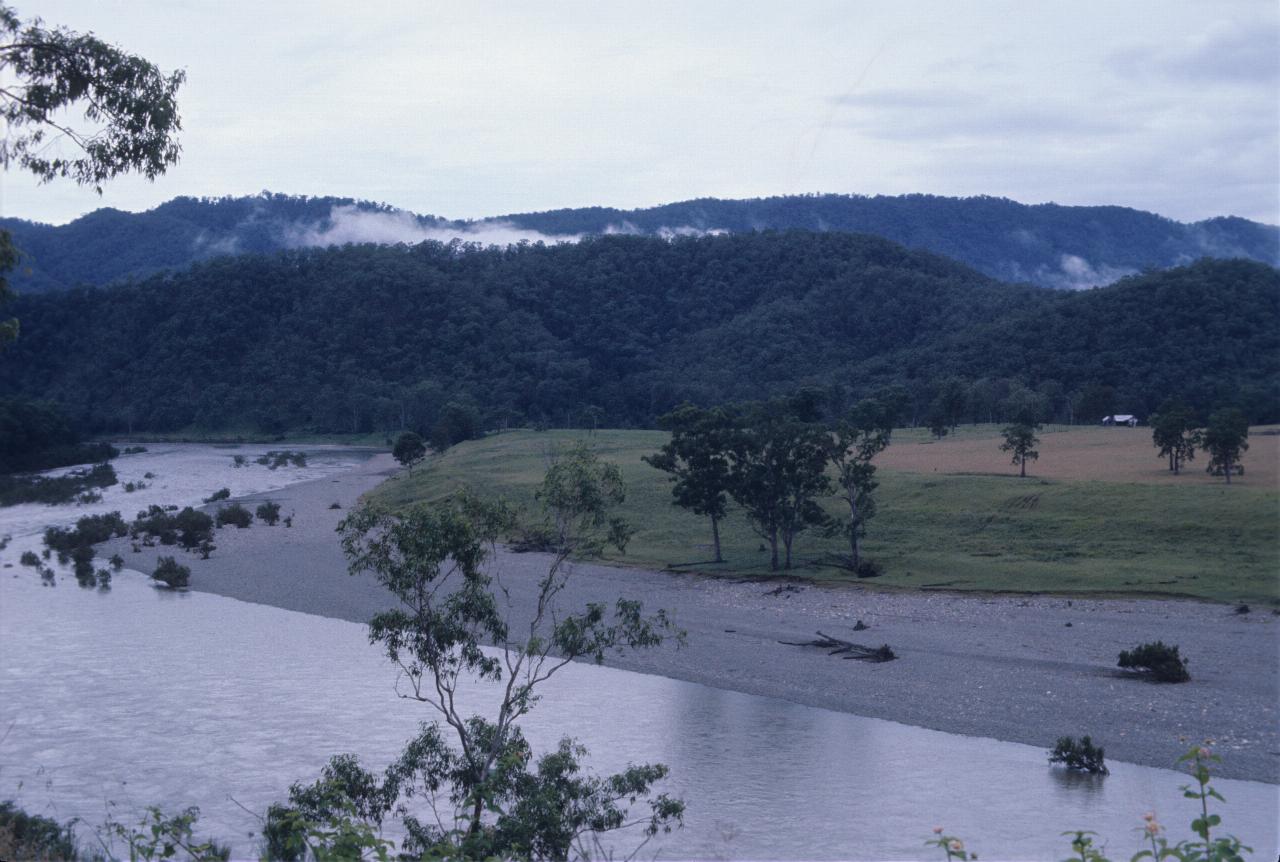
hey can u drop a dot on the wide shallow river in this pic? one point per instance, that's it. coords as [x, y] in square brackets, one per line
[111, 701]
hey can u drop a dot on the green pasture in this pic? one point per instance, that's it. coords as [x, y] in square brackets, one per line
[933, 531]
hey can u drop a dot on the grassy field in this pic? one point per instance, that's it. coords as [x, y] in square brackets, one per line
[1093, 518]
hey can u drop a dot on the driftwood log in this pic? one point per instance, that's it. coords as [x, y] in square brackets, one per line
[846, 649]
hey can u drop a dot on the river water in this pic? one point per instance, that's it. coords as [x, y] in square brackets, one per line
[111, 701]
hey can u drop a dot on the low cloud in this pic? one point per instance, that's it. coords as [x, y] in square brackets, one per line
[1076, 273]
[350, 224]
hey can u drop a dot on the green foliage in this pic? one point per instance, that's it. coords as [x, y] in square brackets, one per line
[501, 803]
[409, 448]
[969, 532]
[268, 513]
[697, 457]
[235, 514]
[274, 460]
[36, 435]
[779, 460]
[1174, 433]
[1020, 440]
[220, 494]
[171, 573]
[89, 530]
[1079, 755]
[32, 837]
[163, 837]
[74, 485]
[187, 528]
[630, 325]
[1225, 440]
[29, 558]
[129, 105]
[1161, 662]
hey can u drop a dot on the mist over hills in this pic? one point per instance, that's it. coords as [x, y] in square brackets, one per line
[618, 329]
[1044, 244]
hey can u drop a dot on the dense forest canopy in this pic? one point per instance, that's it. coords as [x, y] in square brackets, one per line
[618, 330]
[1045, 244]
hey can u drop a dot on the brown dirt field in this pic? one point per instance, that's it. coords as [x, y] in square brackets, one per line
[1076, 454]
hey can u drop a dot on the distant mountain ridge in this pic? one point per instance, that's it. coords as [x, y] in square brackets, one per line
[1045, 244]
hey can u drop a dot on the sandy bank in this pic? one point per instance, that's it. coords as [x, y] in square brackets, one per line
[1019, 669]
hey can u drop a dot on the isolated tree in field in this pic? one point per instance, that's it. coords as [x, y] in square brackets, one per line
[485, 795]
[778, 470]
[1174, 434]
[855, 442]
[1225, 439]
[697, 457]
[409, 449]
[1021, 440]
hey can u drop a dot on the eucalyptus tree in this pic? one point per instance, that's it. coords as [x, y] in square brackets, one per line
[1020, 439]
[469, 785]
[855, 442]
[1225, 438]
[698, 458]
[779, 457]
[1174, 433]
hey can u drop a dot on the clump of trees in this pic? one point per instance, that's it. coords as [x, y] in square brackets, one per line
[218, 495]
[188, 528]
[772, 459]
[469, 786]
[274, 460]
[1160, 662]
[54, 490]
[1079, 755]
[1225, 440]
[1177, 436]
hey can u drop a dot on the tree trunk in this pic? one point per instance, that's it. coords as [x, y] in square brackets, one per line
[787, 539]
[715, 536]
[853, 529]
[1023, 464]
[1226, 469]
[1173, 462]
[773, 548]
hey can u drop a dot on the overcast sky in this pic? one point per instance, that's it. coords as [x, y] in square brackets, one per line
[469, 109]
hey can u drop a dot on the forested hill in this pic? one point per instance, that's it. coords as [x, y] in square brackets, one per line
[617, 330]
[1046, 244]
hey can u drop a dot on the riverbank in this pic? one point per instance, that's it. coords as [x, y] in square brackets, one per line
[1020, 669]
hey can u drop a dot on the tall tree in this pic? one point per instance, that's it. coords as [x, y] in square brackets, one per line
[697, 457]
[1225, 439]
[1173, 432]
[1021, 439]
[779, 460]
[433, 560]
[409, 449]
[130, 104]
[857, 440]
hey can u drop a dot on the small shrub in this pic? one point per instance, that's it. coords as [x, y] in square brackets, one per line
[30, 836]
[1161, 662]
[29, 558]
[104, 579]
[868, 569]
[220, 494]
[117, 562]
[1079, 755]
[268, 513]
[1242, 609]
[335, 505]
[234, 514]
[134, 450]
[238, 461]
[148, 475]
[171, 573]
[288, 521]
